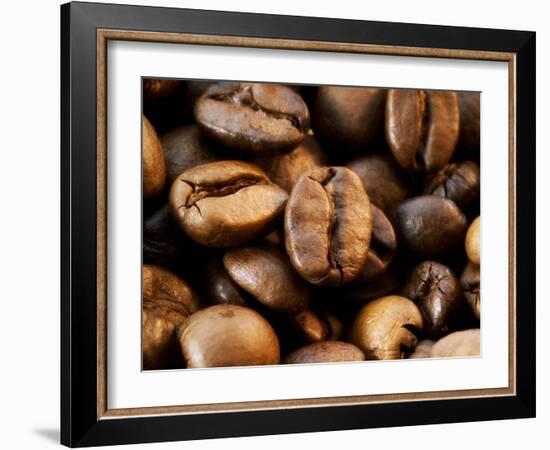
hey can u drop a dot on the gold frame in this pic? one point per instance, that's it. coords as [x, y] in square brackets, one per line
[103, 36]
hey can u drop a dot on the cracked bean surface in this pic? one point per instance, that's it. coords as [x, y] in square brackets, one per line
[328, 226]
[225, 203]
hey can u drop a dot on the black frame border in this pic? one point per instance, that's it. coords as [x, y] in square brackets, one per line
[79, 423]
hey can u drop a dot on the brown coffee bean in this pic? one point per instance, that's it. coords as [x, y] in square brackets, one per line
[310, 326]
[470, 282]
[422, 127]
[325, 352]
[429, 225]
[459, 343]
[469, 105]
[225, 203]
[384, 328]
[328, 226]
[228, 335]
[383, 180]
[423, 349]
[258, 119]
[472, 241]
[348, 119]
[383, 245]
[154, 170]
[154, 88]
[167, 302]
[265, 272]
[458, 182]
[220, 287]
[185, 148]
[285, 170]
[436, 291]
[361, 291]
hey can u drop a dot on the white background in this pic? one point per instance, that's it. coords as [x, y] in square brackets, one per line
[29, 186]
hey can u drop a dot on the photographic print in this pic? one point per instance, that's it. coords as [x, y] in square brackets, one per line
[300, 224]
[272, 224]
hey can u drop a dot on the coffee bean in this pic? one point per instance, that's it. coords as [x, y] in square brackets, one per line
[285, 170]
[383, 245]
[310, 326]
[383, 180]
[154, 88]
[265, 273]
[167, 302]
[459, 343]
[185, 148]
[435, 290]
[228, 335]
[470, 282]
[458, 182]
[328, 226]
[385, 328]
[472, 241]
[422, 127]
[325, 352]
[430, 225]
[348, 119]
[220, 287]
[225, 203]
[154, 170]
[161, 238]
[257, 119]
[469, 105]
[423, 349]
[360, 291]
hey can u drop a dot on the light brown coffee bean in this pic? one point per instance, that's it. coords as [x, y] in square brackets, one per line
[226, 203]
[328, 226]
[228, 335]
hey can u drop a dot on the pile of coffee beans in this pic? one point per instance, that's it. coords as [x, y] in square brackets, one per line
[291, 224]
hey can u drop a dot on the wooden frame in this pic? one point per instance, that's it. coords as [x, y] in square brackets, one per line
[86, 419]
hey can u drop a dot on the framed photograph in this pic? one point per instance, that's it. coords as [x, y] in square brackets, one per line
[272, 224]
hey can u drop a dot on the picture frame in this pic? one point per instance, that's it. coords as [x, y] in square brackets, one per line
[86, 418]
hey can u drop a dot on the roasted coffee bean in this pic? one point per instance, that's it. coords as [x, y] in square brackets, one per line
[328, 226]
[167, 302]
[383, 245]
[436, 291]
[469, 104]
[458, 182]
[265, 273]
[220, 287]
[423, 349]
[383, 180]
[422, 127]
[385, 328]
[472, 241]
[228, 335]
[154, 169]
[161, 237]
[185, 148]
[459, 343]
[257, 119]
[225, 203]
[430, 225]
[285, 170]
[310, 326]
[348, 119]
[157, 88]
[325, 352]
[470, 282]
[360, 291]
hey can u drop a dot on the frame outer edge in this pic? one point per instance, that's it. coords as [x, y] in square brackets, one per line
[65, 370]
[526, 225]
